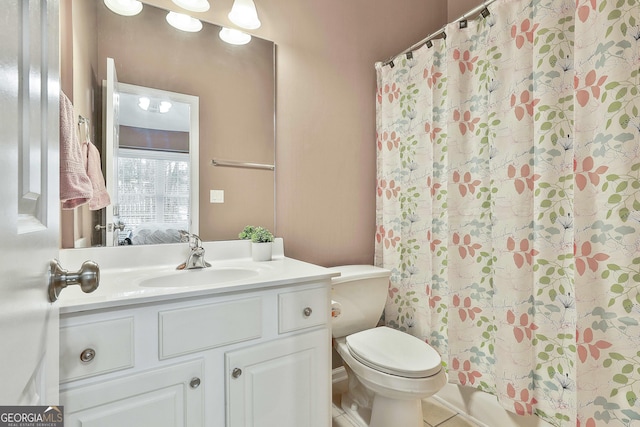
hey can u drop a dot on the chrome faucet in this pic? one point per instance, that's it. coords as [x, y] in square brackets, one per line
[196, 256]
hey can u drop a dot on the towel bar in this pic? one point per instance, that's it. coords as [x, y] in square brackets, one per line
[246, 165]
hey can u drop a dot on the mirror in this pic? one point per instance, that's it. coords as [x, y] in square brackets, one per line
[153, 180]
[236, 92]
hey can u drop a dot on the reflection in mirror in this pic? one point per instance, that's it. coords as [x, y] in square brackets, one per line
[154, 184]
[236, 92]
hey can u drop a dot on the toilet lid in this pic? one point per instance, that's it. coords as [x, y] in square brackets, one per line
[394, 352]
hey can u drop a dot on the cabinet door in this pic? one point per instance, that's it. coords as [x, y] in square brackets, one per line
[167, 397]
[284, 383]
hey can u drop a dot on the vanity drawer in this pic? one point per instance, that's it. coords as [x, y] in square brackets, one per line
[95, 348]
[302, 309]
[192, 329]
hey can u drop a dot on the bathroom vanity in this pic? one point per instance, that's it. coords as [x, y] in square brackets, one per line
[251, 349]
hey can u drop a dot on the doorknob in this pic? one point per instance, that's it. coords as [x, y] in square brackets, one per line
[88, 278]
[110, 227]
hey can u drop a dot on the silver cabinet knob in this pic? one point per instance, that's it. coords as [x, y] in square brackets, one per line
[307, 311]
[195, 382]
[236, 372]
[87, 355]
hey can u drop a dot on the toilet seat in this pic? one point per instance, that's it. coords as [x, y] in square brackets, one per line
[394, 352]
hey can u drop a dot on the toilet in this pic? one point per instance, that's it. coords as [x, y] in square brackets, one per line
[389, 371]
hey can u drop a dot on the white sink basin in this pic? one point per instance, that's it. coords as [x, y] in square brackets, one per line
[199, 277]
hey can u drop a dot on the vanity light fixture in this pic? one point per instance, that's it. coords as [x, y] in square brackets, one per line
[233, 36]
[243, 14]
[184, 22]
[124, 7]
[193, 5]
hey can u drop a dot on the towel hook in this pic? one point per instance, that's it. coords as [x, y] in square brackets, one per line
[86, 122]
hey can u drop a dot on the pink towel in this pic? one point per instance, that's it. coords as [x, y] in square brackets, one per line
[75, 186]
[100, 197]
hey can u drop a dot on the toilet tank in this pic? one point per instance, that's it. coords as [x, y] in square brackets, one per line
[361, 291]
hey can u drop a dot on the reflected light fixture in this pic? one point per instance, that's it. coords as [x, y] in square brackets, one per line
[243, 14]
[233, 36]
[193, 5]
[144, 102]
[184, 22]
[164, 106]
[124, 7]
[154, 106]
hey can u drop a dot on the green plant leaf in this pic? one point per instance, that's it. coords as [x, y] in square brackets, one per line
[615, 106]
[620, 379]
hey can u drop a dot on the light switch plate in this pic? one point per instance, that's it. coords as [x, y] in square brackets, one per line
[216, 196]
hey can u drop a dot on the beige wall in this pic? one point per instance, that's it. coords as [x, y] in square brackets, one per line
[457, 8]
[326, 154]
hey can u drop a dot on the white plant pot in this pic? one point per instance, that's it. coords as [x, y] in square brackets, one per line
[261, 251]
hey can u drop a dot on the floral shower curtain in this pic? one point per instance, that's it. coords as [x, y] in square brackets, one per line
[508, 205]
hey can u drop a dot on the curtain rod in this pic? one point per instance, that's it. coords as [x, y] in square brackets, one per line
[433, 35]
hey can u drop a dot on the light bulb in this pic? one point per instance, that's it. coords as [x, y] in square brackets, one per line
[193, 5]
[243, 14]
[124, 7]
[184, 22]
[165, 106]
[144, 102]
[232, 36]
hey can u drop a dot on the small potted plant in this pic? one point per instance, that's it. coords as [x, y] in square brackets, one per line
[246, 233]
[261, 242]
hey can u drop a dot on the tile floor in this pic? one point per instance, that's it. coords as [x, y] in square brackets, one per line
[434, 413]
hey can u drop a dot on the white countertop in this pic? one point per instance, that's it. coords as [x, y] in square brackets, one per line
[124, 268]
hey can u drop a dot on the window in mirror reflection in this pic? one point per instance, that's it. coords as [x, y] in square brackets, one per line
[153, 196]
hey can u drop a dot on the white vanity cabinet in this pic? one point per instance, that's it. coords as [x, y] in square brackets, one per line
[277, 383]
[165, 397]
[238, 359]
[281, 382]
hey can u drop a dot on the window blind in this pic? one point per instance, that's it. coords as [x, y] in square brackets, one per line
[153, 187]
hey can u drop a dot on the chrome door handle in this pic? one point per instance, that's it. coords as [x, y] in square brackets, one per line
[110, 227]
[88, 278]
